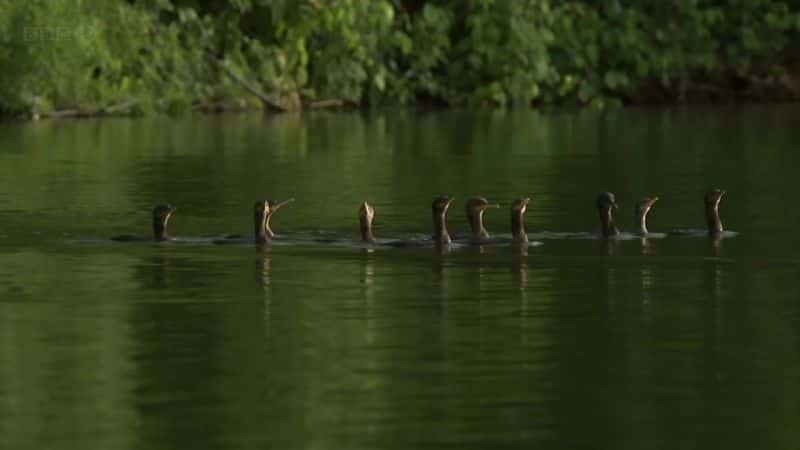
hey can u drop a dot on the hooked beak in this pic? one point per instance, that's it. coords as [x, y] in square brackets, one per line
[281, 204]
[491, 205]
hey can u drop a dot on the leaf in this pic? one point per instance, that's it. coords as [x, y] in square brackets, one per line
[403, 42]
[614, 80]
[379, 79]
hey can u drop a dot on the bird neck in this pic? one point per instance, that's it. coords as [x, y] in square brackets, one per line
[260, 227]
[160, 229]
[366, 230]
[267, 229]
[641, 222]
[712, 219]
[518, 226]
[607, 222]
[476, 224]
[440, 234]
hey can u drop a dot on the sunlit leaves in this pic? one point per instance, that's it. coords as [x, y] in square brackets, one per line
[164, 54]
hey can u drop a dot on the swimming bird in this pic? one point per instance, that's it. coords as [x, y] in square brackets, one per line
[366, 213]
[262, 233]
[518, 209]
[271, 207]
[642, 209]
[606, 204]
[439, 209]
[712, 200]
[474, 209]
[161, 215]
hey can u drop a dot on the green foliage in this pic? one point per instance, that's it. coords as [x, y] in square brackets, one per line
[348, 40]
[502, 56]
[47, 50]
[426, 49]
[614, 51]
[172, 55]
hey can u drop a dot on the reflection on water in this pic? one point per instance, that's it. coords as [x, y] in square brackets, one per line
[519, 269]
[579, 343]
[716, 244]
[263, 265]
[647, 246]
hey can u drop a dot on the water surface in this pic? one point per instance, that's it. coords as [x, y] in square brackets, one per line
[671, 343]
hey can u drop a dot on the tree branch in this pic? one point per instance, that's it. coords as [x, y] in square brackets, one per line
[268, 102]
[329, 103]
[77, 112]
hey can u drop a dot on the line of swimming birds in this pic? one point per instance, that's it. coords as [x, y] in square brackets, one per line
[475, 208]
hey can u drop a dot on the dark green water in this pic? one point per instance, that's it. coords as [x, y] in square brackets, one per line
[673, 343]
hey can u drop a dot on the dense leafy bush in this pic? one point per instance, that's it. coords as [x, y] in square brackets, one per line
[132, 56]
